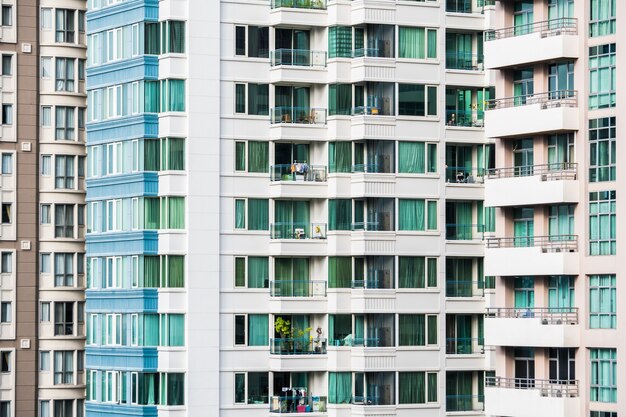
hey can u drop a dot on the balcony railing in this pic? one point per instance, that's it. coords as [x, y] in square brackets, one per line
[298, 172]
[298, 346]
[547, 387]
[463, 118]
[550, 315]
[464, 61]
[548, 244]
[297, 231]
[300, 4]
[350, 340]
[369, 168]
[465, 402]
[298, 57]
[372, 283]
[548, 172]
[373, 52]
[372, 226]
[465, 175]
[372, 399]
[458, 289]
[548, 100]
[298, 404]
[298, 288]
[553, 27]
[299, 115]
[372, 111]
[465, 345]
[465, 231]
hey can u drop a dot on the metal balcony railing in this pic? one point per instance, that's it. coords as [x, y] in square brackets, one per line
[298, 172]
[547, 387]
[550, 315]
[466, 61]
[299, 115]
[298, 346]
[465, 231]
[548, 244]
[465, 118]
[300, 4]
[298, 288]
[465, 345]
[298, 404]
[297, 230]
[459, 289]
[549, 172]
[298, 57]
[553, 27]
[547, 100]
[465, 175]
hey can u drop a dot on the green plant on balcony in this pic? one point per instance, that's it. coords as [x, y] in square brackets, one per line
[291, 334]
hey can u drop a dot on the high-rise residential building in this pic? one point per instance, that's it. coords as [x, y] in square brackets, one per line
[554, 319]
[285, 207]
[42, 192]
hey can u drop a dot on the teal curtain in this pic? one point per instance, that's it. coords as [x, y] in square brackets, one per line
[433, 330]
[258, 272]
[411, 157]
[176, 271]
[258, 330]
[412, 329]
[560, 293]
[240, 272]
[151, 38]
[602, 302]
[524, 292]
[432, 215]
[359, 328]
[177, 37]
[431, 51]
[176, 327]
[340, 99]
[258, 214]
[411, 214]
[151, 96]
[340, 214]
[151, 271]
[411, 272]
[464, 221]
[151, 155]
[433, 387]
[152, 212]
[240, 388]
[603, 375]
[463, 334]
[412, 42]
[150, 330]
[177, 95]
[301, 277]
[283, 219]
[340, 157]
[339, 272]
[240, 98]
[240, 214]
[176, 156]
[432, 157]
[432, 272]
[176, 212]
[339, 387]
[412, 386]
[258, 99]
[258, 156]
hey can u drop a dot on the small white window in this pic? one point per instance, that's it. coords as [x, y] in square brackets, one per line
[46, 18]
[46, 67]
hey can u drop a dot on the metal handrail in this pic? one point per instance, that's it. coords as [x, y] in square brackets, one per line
[550, 315]
[556, 243]
[298, 230]
[553, 27]
[298, 404]
[299, 4]
[305, 345]
[466, 61]
[548, 172]
[298, 171]
[298, 57]
[547, 100]
[298, 288]
[465, 231]
[461, 288]
[465, 345]
[547, 387]
[299, 115]
[465, 175]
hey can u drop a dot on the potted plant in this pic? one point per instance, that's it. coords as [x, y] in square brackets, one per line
[283, 328]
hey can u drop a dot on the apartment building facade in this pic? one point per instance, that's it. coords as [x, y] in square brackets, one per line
[554, 319]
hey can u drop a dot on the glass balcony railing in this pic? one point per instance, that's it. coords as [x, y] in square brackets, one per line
[298, 346]
[548, 387]
[371, 111]
[300, 4]
[298, 404]
[369, 168]
[465, 345]
[465, 175]
[298, 57]
[373, 226]
[371, 399]
[548, 244]
[553, 27]
[463, 118]
[465, 231]
[549, 172]
[464, 402]
[547, 100]
[373, 283]
[464, 61]
[299, 115]
[459, 289]
[298, 231]
[549, 315]
[298, 288]
[298, 172]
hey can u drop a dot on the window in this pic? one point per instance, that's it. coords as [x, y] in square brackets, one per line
[417, 387]
[6, 213]
[603, 375]
[257, 273]
[64, 220]
[113, 272]
[5, 406]
[172, 330]
[602, 300]
[602, 155]
[5, 361]
[64, 120]
[417, 329]
[340, 214]
[257, 103]
[6, 266]
[63, 269]
[7, 163]
[64, 172]
[172, 389]
[6, 312]
[65, 25]
[45, 214]
[417, 100]
[251, 388]
[602, 414]
[417, 214]
[113, 329]
[114, 48]
[602, 228]
[44, 263]
[173, 37]
[602, 75]
[64, 74]
[417, 43]
[110, 389]
[257, 156]
[46, 116]
[340, 99]
[417, 157]
[114, 158]
[63, 318]
[257, 39]
[251, 330]
[7, 64]
[340, 42]
[45, 312]
[46, 18]
[172, 212]
[602, 19]
[173, 267]
[257, 214]
[44, 360]
[7, 114]
[172, 95]
[63, 367]
[7, 17]
[417, 272]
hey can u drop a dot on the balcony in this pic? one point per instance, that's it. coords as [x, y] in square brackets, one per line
[532, 114]
[297, 66]
[549, 40]
[298, 13]
[298, 404]
[298, 288]
[298, 180]
[517, 397]
[304, 123]
[298, 346]
[554, 183]
[465, 346]
[532, 255]
[533, 327]
[465, 232]
[465, 289]
[293, 238]
[464, 61]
